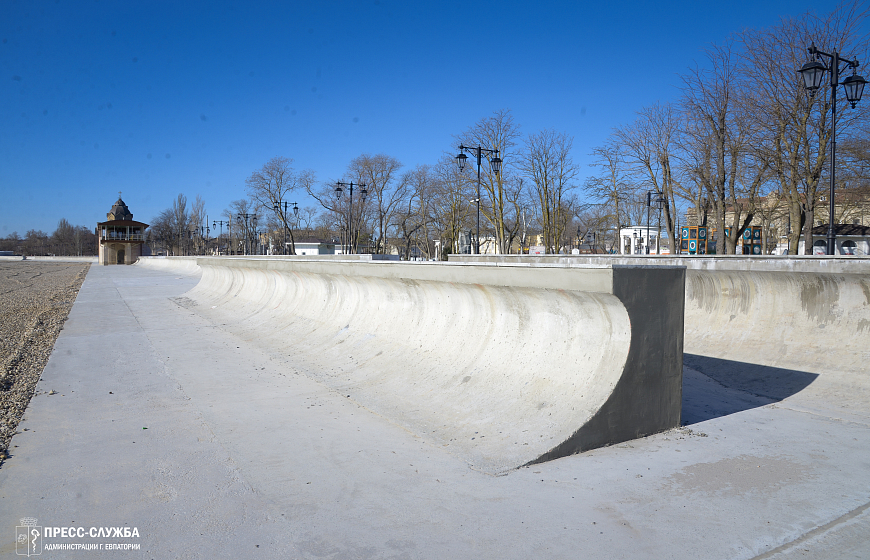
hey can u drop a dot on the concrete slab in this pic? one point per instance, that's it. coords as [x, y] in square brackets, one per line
[237, 454]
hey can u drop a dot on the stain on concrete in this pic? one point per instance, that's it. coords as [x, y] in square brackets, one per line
[737, 475]
[820, 296]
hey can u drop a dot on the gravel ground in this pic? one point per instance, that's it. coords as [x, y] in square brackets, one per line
[35, 300]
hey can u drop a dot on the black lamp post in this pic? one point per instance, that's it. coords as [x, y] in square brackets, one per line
[207, 232]
[282, 211]
[253, 221]
[494, 162]
[813, 73]
[658, 202]
[363, 193]
[215, 225]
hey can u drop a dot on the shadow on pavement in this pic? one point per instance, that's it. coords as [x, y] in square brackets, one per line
[714, 387]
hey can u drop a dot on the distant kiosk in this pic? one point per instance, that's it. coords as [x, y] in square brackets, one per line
[120, 237]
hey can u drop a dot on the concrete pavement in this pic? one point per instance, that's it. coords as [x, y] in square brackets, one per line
[214, 447]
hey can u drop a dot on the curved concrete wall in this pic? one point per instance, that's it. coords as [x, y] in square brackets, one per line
[779, 334]
[501, 367]
[810, 313]
[773, 326]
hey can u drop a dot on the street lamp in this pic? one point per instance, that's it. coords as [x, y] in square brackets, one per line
[363, 193]
[277, 206]
[253, 218]
[658, 202]
[813, 72]
[494, 162]
[207, 232]
[215, 225]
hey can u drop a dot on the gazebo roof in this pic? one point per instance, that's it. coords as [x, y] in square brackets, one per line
[119, 211]
[122, 223]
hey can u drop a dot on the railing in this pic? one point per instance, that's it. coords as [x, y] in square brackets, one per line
[121, 236]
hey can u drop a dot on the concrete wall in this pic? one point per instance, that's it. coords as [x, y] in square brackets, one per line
[502, 366]
[773, 326]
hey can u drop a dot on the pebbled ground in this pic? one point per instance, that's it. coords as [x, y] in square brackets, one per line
[35, 300]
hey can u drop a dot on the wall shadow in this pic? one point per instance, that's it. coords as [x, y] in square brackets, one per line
[729, 386]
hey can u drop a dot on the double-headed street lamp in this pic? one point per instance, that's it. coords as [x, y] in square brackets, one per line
[813, 73]
[253, 218]
[658, 202]
[363, 193]
[222, 224]
[494, 162]
[282, 211]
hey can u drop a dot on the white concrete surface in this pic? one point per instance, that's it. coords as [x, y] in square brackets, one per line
[244, 456]
[180, 265]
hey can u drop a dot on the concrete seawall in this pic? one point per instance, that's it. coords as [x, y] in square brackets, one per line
[502, 366]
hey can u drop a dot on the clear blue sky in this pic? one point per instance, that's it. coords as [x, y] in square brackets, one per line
[157, 98]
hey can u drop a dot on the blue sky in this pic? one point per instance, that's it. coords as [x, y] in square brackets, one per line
[159, 98]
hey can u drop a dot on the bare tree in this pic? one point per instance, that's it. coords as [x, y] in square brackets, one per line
[650, 144]
[794, 127]
[548, 164]
[387, 190]
[719, 141]
[500, 195]
[612, 184]
[452, 213]
[240, 230]
[271, 185]
[306, 218]
[35, 242]
[62, 238]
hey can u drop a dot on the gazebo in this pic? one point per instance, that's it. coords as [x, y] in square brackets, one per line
[121, 238]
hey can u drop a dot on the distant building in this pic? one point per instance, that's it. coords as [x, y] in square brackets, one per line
[634, 240]
[315, 246]
[851, 240]
[121, 238]
[851, 208]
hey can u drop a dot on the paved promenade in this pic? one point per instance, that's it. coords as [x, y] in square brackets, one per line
[210, 447]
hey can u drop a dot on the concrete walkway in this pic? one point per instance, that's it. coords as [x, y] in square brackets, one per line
[212, 448]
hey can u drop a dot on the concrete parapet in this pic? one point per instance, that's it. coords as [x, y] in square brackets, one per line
[770, 263]
[502, 366]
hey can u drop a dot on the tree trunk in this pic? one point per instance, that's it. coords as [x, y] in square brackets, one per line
[808, 231]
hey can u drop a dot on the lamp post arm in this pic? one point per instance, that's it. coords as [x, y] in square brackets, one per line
[478, 149]
[836, 60]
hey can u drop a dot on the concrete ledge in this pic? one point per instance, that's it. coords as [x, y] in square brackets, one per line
[501, 365]
[770, 263]
[47, 259]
